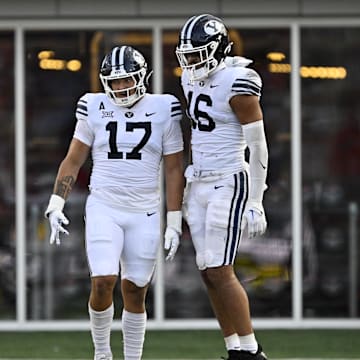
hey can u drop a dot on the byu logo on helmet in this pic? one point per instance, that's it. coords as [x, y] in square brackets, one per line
[213, 27]
[138, 58]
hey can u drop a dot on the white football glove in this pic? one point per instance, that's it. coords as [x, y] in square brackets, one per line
[54, 213]
[57, 219]
[254, 218]
[172, 233]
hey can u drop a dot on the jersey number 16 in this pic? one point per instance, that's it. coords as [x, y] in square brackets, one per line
[203, 121]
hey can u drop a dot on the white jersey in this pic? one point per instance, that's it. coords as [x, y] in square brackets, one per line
[217, 140]
[128, 145]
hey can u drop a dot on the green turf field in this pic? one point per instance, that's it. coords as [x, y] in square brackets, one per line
[199, 344]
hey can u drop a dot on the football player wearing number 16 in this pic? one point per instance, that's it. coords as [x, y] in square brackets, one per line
[128, 132]
[224, 192]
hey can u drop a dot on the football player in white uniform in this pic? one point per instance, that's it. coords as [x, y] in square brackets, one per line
[224, 192]
[128, 132]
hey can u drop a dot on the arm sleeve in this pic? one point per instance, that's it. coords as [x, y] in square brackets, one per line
[255, 137]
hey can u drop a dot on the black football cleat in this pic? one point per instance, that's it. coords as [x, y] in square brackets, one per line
[246, 355]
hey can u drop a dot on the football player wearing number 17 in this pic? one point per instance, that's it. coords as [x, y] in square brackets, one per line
[224, 192]
[128, 132]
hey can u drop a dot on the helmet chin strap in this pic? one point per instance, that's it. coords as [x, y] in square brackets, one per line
[199, 74]
[129, 100]
[204, 71]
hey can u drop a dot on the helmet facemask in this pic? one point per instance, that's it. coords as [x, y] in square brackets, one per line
[133, 93]
[206, 59]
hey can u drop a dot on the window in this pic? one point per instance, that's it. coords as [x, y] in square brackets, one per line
[7, 179]
[331, 168]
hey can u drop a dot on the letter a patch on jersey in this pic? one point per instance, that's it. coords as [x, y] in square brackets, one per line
[101, 107]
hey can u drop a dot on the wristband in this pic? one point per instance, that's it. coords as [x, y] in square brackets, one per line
[250, 204]
[174, 220]
[56, 202]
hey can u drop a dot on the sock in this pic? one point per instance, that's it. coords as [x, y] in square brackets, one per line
[133, 329]
[100, 324]
[248, 343]
[232, 342]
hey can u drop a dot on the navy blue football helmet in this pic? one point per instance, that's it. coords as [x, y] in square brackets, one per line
[205, 38]
[123, 62]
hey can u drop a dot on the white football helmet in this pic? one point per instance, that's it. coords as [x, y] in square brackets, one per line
[123, 62]
[206, 38]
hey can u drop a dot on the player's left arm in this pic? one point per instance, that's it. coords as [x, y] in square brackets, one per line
[174, 177]
[174, 184]
[249, 113]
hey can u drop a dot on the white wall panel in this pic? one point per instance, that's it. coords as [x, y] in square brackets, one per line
[259, 7]
[164, 8]
[176, 8]
[20, 8]
[330, 7]
[98, 8]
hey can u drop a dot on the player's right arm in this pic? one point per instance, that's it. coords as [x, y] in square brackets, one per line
[69, 168]
[66, 177]
[68, 171]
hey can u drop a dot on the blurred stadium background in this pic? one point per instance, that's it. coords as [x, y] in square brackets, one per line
[302, 275]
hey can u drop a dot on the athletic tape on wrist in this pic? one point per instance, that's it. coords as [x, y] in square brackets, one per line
[56, 202]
